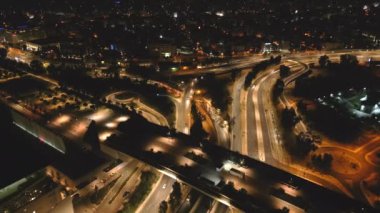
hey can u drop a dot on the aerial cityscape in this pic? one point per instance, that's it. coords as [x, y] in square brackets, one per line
[189, 106]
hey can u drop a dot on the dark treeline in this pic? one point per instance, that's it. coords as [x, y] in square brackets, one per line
[335, 119]
[341, 77]
[216, 90]
[336, 122]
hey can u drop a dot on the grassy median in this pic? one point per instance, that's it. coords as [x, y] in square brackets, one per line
[148, 178]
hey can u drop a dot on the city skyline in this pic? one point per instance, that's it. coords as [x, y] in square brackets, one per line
[190, 106]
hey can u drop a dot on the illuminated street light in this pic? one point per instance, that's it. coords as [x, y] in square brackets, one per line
[122, 119]
[111, 125]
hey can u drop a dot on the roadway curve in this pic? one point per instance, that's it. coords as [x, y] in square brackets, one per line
[351, 180]
[265, 143]
[269, 145]
[149, 113]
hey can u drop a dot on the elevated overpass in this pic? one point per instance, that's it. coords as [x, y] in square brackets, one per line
[206, 167]
[263, 188]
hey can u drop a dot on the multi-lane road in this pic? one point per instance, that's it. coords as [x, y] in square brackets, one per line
[160, 192]
[254, 125]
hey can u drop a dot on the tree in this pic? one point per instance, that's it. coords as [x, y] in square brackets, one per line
[37, 66]
[324, 61]
[305, 144]
[322, 161]
[243, 192]
[251, 75]
[175, 196]
[284, 71]
[51, 69]
[92, 136]
[196, 129]
[194, 194]
[234, 73]
[285, 210]
[289, 117]
[230, 187]
[348, 59]
[3, 53]
[278, 88]
[163, 207]
[277, 59]
[301, 106]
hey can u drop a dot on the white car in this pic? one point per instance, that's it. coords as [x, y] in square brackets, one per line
[164, 186]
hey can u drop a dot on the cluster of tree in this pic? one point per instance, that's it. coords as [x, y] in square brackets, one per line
[301, 106]
[343, 76]
[289, 118]
[305, 144]
[336, 122]
[239, 194]
[278, 88]
[99, 195]
[13, 66]
[3, 53]
[196, 130]
[349, 60]
[324, 61]
[22, 86]
[193, 195]
[36, 66]
[234, 74]
[92, 136]
[175, 196]
[142, 190]
[216, 90]
[260, 67]
[322, 161]
[163, 208]
[284, 71]
[251, 75]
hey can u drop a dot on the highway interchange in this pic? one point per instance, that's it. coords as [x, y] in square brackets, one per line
[252, 109]
[254, 127]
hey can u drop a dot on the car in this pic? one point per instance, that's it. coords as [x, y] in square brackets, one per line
[164, 186]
